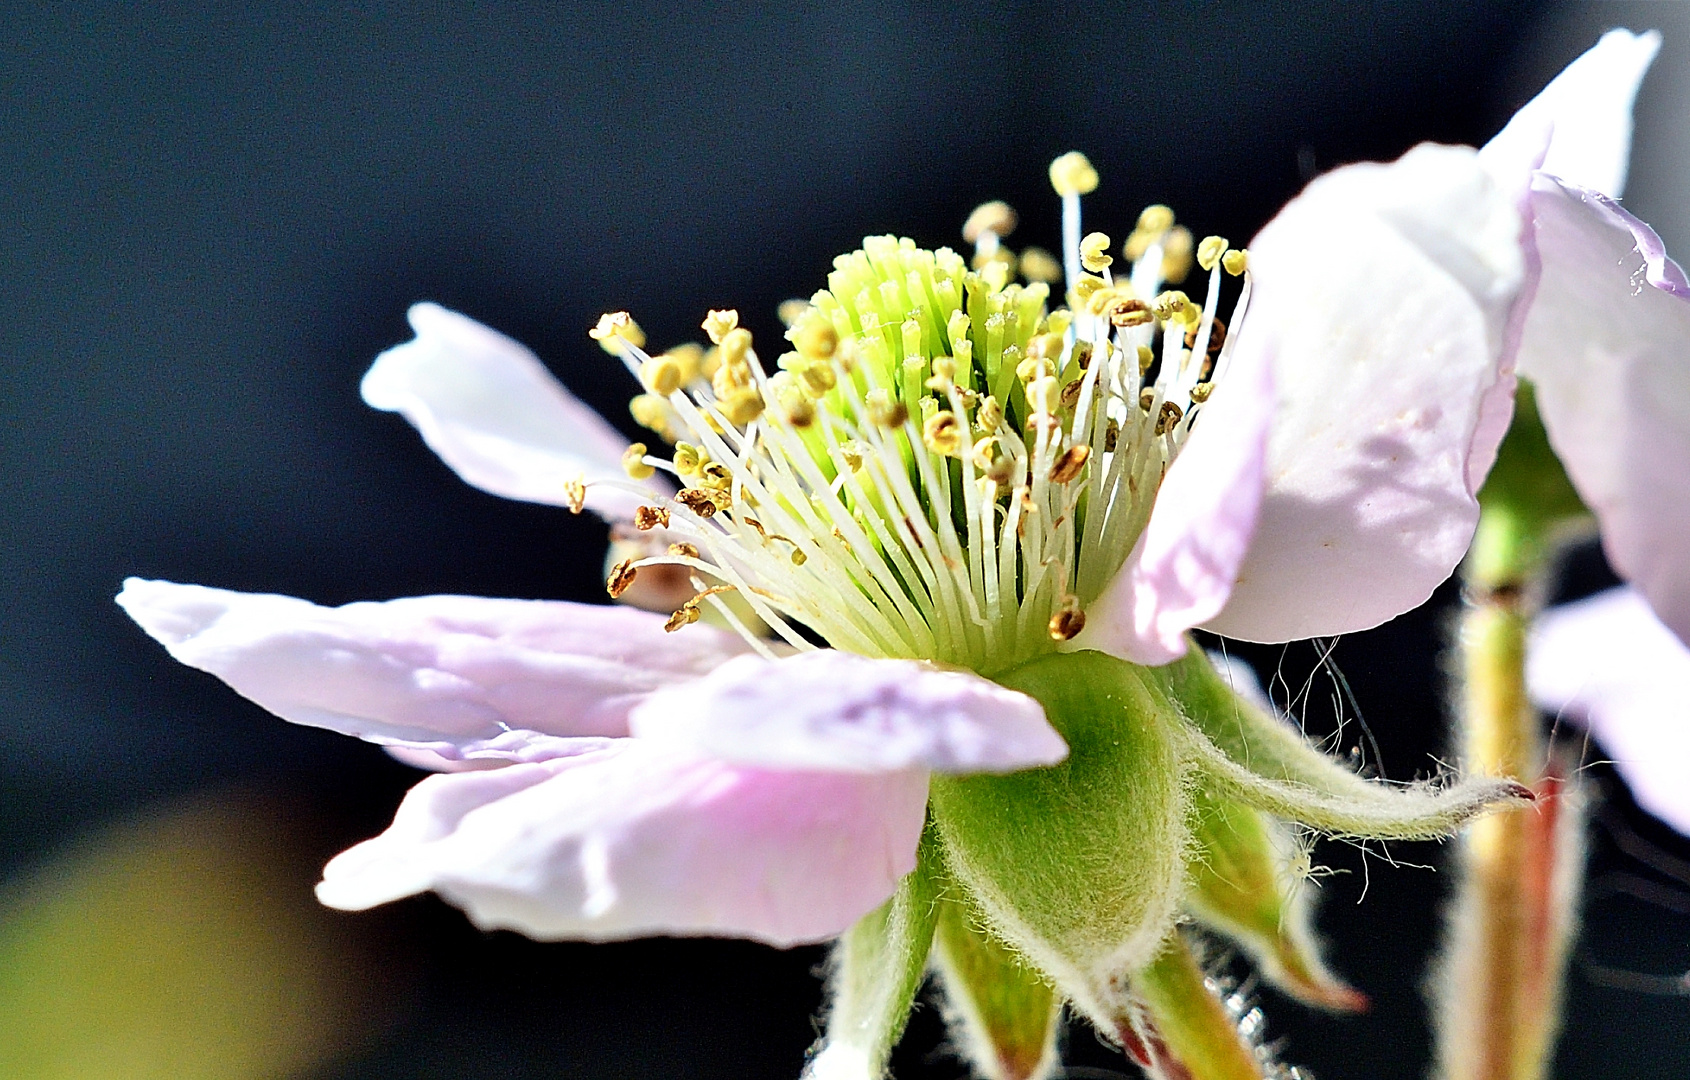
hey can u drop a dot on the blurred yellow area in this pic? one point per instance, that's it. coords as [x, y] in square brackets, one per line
[182, 944]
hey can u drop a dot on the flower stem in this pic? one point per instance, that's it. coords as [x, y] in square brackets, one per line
[1498, 988]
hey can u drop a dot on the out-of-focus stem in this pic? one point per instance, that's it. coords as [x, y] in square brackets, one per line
[1499, 982]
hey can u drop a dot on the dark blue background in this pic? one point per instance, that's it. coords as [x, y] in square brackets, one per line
[211, 220]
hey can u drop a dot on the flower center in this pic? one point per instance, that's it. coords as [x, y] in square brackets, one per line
[940, 467]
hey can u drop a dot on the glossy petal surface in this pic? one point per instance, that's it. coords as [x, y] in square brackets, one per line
[1381, 299]
[493, 412]
[833, 711]
[1607, 343]
[1610, 664]
[625, 838]
[447, 674]
[1182, 570]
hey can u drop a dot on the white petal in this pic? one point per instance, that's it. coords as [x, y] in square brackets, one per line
[1609, 663]
[448, 674]
[629, 839]
[493, 412]
[1607, 342]
[830, 710]
[1579, 126]
[1381, 297]
[1182, 569]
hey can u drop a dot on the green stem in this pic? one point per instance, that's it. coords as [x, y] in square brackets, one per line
[1499, 987]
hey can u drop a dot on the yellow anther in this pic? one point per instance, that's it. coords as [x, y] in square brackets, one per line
[1155, 219]
[575, 495]
[617, 325]
[1037, 264]
[1086, 285]
[715, 476]
[1146, 398]
[942, 433]
[790, 311]
[1046, 346]
[661, 375]
[742, 406]
[711, 363]
[1146, 360]
[994, 217]
[651, 517]
[1082, 354]
[1034, 367]
[1002, 471]
[688, 459]
[1094, 252]
[797, 410]
[1057, 322]
[851, 455]
[735, 344]
[1072, 174]
[1127, 311]
[1200, 393]
[883, 411]
[814, 337]
[1236, 261]
[690, 358]
[621, 576]
[718, 324]
[1209, 252]
[984, 453]
[1067, 623]
[818, 378]
[1176, 254]
[652, 412]
[1043, 396]
[943, 378]
[699, 500]
[1173, 305]
[683, 550]
[685, 615]
[990, 414]
[633, 462]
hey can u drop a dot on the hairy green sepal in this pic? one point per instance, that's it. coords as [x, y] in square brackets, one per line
[1002, 1013]
[874, 973]
[1078, 867]
[1192, 1032]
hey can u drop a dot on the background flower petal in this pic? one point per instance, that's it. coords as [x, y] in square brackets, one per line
[1381, 298]
[449, 674]
[1609, 663]
[1579, 127]
[493, 412]
[630, 839]
[1183, 568]
[1607, 342]
[830, 710]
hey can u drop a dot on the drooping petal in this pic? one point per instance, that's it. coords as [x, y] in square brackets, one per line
[1579, 127]
[1607, 342]
[629, 838]
[833, 711]
[448, 674]
[1609, 663]
[493, 412]
[1381, 298]
[1182, 570]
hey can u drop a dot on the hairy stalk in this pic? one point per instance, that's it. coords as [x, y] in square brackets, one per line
[1498, 986]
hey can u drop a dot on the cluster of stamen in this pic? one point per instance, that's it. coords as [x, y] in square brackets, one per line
[939, 466]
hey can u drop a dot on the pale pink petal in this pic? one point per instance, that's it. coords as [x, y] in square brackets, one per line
[1381, 298]
[1579, 127]
[1610, 664]
[1182, 570]
[448, 674]
[493, 412]
[833, 711]
[634, 838]
[1607, 342]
